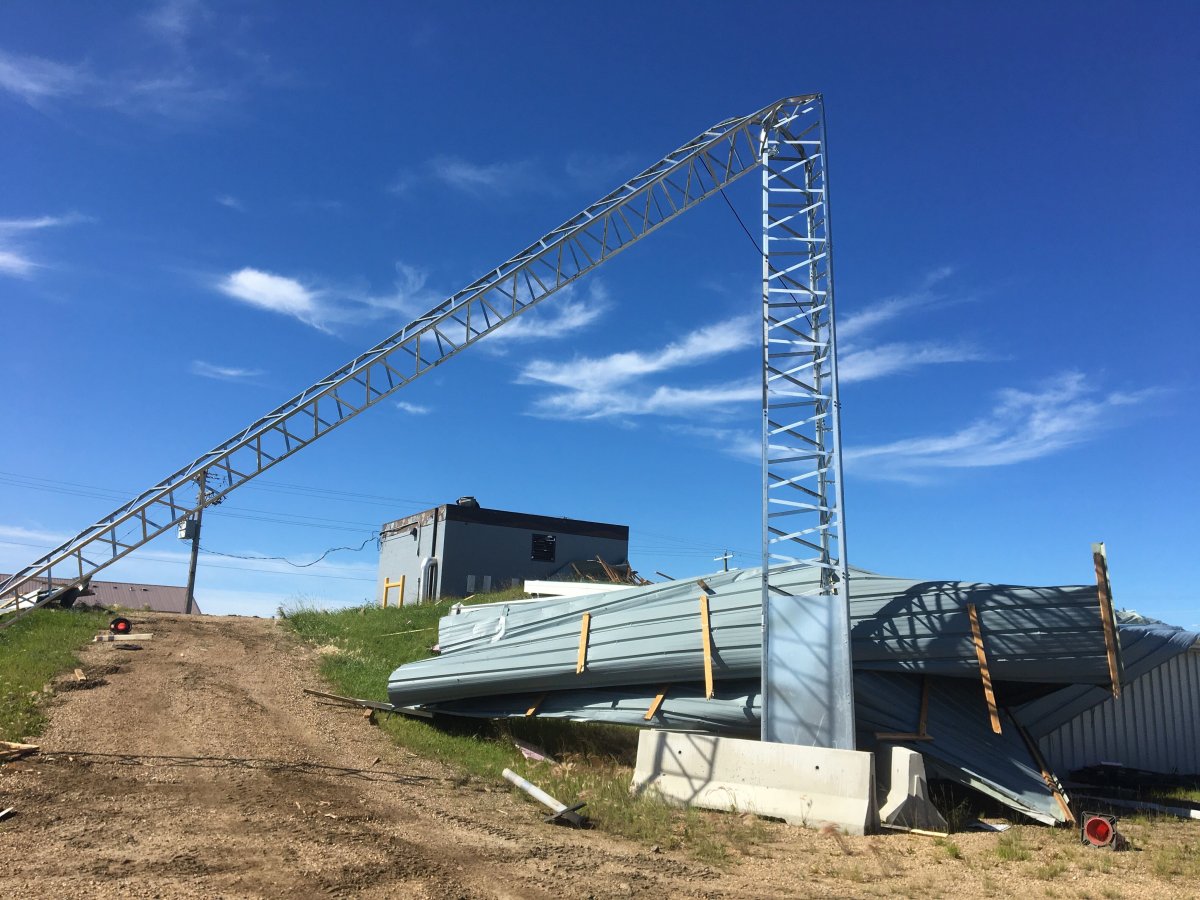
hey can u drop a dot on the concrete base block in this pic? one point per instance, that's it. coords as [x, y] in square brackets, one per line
[907, 803]
[810, 786]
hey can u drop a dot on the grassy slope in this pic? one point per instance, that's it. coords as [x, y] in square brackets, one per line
[32, 652]
[361, 648]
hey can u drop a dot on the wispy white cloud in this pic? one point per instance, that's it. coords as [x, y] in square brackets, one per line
[621, 385]
[230, 201]
[222, 373]
[173, 21]
[415, 409]
[868, 363]
[168, 79]
[275, 293]
[36, 80]
[15, 260]
[35, 535]
[599, 373]
[565, 313]
[500, 178]
[1023, 425]
[325, 307]
[858, 322]
[586, 403]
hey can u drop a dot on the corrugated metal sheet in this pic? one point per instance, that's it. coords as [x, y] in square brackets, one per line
[651, 634]
[1155, 725]
[963, 748]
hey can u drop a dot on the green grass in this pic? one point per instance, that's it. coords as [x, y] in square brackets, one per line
[33, 651]
[1010, 847]
[361, 647]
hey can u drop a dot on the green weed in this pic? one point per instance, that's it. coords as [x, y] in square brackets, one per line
[32, 652]
[1011, 848]
[360, 648]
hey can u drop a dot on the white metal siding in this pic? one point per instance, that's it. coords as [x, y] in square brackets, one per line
[1155, 725]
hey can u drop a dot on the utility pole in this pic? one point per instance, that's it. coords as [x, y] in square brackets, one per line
[191, 528]
[726, 557]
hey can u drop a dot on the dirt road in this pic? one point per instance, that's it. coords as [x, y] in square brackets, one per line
[196, 767]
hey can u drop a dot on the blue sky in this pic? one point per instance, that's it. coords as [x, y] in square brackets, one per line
[208, 206]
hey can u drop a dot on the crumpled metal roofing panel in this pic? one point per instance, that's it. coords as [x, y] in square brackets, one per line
[963, 748]
[651, 634]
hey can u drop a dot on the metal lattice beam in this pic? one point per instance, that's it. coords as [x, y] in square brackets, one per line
[676, 183]
[807, 680]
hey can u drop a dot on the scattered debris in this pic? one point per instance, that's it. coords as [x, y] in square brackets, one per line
[530, 751]
[370, 705]
[979, 825]
[104, 638]
[10, 750]
[562, 814]
[120, 625]
[128, 647]
[79, 676]
[5, 813]
[1181, 812]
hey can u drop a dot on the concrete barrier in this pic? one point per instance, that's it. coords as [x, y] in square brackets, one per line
[809, 786]
[906, 801]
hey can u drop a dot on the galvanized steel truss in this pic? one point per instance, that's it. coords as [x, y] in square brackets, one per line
[679, 181]
[802, 470]
[807, 679]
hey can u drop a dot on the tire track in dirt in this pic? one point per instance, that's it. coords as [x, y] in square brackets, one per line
[197, 768]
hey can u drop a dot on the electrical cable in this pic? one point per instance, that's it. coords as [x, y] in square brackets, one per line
[374, 537]
[733, 210]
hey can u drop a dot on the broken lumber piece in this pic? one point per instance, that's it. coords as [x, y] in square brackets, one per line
[104, 637]
[10, 750]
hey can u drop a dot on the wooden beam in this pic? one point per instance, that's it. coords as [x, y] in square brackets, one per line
[105, 638]
[584, 627]
[1104, 588]
[706, 636]
[537, 704]
[1047, 776]
[984, 672]
[388, 584]
[901, 736]
[657, 703]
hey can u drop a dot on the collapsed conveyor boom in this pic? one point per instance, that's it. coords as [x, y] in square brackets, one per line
[679, 181]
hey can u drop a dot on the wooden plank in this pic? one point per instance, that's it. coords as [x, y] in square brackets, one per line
[1051, 781]
[901, 736]
[706, 636]
[537, 704]
[105, 638]
[657, 703]
[584, 627]
[388, 584]
[984, 672]
[1104, 588]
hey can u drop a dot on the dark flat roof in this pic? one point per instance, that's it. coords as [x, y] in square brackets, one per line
[478, 515]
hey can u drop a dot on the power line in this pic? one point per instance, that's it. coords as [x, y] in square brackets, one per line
[288, 561]
[251, 569]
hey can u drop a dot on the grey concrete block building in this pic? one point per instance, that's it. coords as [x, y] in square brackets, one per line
[459, 549]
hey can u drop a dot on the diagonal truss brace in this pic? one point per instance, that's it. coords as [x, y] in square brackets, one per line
[676, 183]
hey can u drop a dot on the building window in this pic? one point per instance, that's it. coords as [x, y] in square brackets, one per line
[543, 548]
